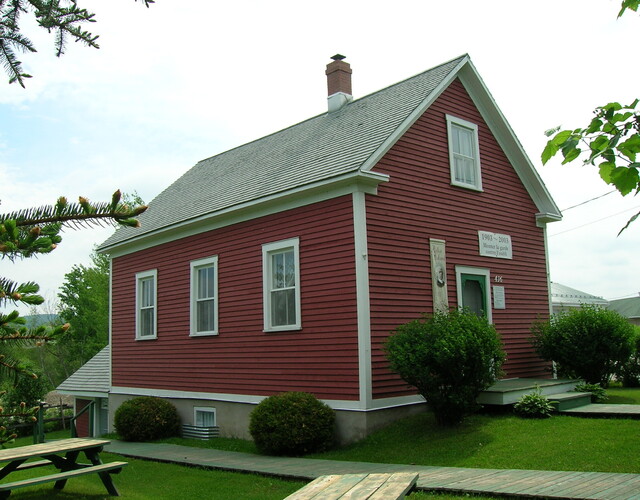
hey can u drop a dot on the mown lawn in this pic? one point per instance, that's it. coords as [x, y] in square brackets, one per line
[144, 480]
[495, 441]
[505, 442]
[484, 441]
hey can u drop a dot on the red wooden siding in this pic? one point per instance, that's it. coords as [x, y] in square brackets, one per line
[82, 423]
[321, 358]
[419, 203]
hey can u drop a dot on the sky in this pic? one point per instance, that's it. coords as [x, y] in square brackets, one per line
[183, 81]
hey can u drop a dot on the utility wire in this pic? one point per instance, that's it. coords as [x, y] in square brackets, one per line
[594, 221]
[588, 201]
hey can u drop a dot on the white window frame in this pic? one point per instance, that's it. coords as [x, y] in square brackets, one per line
[268, 250]
[140, 278]
[453, 121]
[478, 271]
[204, 409]
[196, 265]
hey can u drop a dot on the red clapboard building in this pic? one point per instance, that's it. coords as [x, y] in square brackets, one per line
[283, 264]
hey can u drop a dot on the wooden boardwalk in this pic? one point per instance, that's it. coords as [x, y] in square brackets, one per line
[528, 483]
[492, 482]
[605, 410]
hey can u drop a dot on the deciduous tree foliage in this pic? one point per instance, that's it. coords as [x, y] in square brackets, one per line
[611, 141]
[62, 17]
[84, 305]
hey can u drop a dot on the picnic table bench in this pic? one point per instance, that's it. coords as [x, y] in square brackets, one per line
[63, 454]
[358, 486]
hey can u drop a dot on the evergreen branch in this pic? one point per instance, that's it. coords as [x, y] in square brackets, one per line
[81, 212]
[11, 63]
[14, 292]
[63, 17]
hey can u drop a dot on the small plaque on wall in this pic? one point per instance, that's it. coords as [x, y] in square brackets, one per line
[498, 298]
[495, 245]
[439, 275]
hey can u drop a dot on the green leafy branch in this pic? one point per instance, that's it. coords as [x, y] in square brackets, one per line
[611, 142]
[629, 4]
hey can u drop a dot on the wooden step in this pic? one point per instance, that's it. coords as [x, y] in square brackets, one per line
[569, 400]
[508, 391]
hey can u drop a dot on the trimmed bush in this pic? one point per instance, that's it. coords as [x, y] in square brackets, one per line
[586, 343]
[146, 419]
[292, 423]
[534, 405]
[450, 358]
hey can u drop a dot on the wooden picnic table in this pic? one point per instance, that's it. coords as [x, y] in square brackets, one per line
[62, 454]
[373, 486]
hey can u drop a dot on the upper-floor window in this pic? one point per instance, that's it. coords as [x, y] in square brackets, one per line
[464, 153]
[146, 307]
[281, 285]
[204, 296]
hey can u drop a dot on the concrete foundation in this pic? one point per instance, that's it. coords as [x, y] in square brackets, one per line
[233, 418]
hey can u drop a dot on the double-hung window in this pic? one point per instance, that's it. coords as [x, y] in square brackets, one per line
[146, 305]
[204, 296]
[281, 285]
[464, 153]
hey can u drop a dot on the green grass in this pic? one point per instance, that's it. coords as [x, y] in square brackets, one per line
[504, 442]
[494, 441]
[484, 441]
[623, 396]
[146, 480]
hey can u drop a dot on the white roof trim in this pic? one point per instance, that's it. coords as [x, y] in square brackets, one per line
[509, 142]
[412, 118]
[303, 195]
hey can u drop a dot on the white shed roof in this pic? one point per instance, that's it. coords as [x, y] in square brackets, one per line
[93, 379]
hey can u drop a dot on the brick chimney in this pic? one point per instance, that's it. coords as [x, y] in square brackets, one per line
[338, 83]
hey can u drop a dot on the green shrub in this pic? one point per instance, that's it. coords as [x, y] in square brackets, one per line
[586, 343]
[598, 393]
[292, 423]
[146, 418]
[450, 358]
[628, 372]
[534, 405]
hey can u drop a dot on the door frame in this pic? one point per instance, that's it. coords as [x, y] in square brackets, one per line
[484, 275]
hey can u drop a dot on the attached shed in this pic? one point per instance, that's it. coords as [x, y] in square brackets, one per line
[91, 383]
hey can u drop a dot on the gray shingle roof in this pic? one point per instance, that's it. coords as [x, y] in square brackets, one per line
[629, 308]
[321, 148]
[92, 378]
